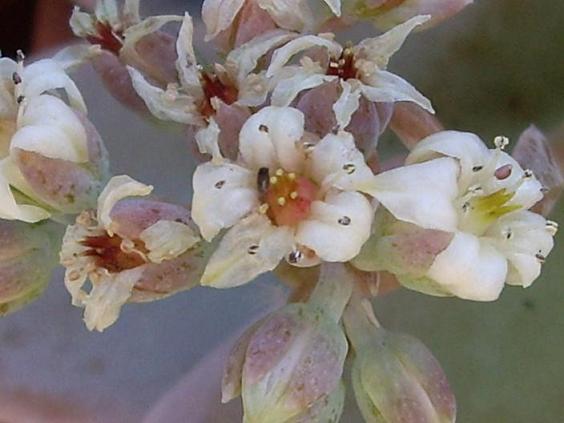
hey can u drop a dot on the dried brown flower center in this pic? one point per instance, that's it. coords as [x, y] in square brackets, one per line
[108, 253]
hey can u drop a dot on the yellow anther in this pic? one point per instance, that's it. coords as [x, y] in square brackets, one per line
[263, 208]
[279, 172]
[291, 176]
[281, 201]
[273, 180]
[293, 195]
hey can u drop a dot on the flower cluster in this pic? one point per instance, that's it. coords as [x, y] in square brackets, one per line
[285, 128]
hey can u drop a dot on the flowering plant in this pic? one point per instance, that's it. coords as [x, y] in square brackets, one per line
[285, 128]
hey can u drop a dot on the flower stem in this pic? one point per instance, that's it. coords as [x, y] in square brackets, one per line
[333, 289]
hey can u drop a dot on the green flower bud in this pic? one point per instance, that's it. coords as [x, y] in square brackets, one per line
[28, 253]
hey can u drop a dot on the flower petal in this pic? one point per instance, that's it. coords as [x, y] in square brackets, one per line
[346, 105]
[245, 58]
[336, 162]
[223, 195]
[107, 11]
[470, 269]
[269, 138]
[285, 53]
[525, 240]
[207, 140]
[380, 49]
[287, 89]
[422, 193]
[49, 127]
[118, 188]
[168, 239]
[165, 105]
[383, 86]
[218, 15]
[186, 64]
[337, 227]
[251, 247]
[295, 15]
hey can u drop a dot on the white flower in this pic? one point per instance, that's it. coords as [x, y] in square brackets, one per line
[287, 196]
[195, 99]
[141, 257]
[360, 69]
[483, 199]
[33, 121]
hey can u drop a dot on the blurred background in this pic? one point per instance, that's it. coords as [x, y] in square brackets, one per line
[494, 69]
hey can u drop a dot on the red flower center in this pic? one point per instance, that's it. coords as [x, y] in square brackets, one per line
[108, 254]
[344, 66]
[106, 37]
[214, 87]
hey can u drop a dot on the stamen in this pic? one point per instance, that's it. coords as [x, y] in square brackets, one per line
[263, 128]
[263, 208]
[540, 258]
[253, 249]
[291, 176]
[16, 78]
[477, 168]
[295, 256]
[501, 142]
[20, 56]
[281, 201]
[528, 174]
[273, 180]
[219, 184]
[20, 99]
[279, 172]
[293, 195]
[350, 168]
[263, 180]
[552, 227]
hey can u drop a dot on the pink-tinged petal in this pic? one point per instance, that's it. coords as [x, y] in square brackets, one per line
[219, 15]
[470, 269]
[534, 152]
[411, 123]
[254, 20]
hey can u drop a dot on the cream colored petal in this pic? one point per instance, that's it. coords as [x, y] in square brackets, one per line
[284, 54]
[72, 57]
[470, 269]
[346, 104]
[131, 12]
[81, 23]
[166, 105]
[167, 239]
[335, 6]
[336, 162]
[47, 74]
[186, 64]
[135, 33]
[380, 49]
[118, 188]
[109, 293]
[49, 127]
[295, 15]
[253, 90]
[383, 86]
[337, 227]
[10, 210]
[270, 138]
[252, 247]
[207, 140]
[422, 194]
[526, 240]
[245, 58]
[107, 11]
[218, 15]
[223, 195]
[287, 89]
[466, 147]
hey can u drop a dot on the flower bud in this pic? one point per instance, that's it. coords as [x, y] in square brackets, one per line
[54, 161]
[386, 14]
[131, 250]
[27, 257]
[395, 377]
[290, 363]
[327, 409]
[533, 151]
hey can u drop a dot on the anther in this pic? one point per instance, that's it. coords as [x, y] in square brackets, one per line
[263, 128]
[263, 208]
[349, 168]
[281, 201]
[345, 221]
[219, 184]
[540, 258]
[16, 78]
[20, 99]
[508, 233]
[477, 168]
[291, 176]
[501, 142]
[273, 180]
[333, 65]
[544, 190]
[20, 56]
[528, 174]
[253, 249]
[295, 256]
[263, 180]
[466, 207]
[279, 172]
[293, 195]
[552, 227]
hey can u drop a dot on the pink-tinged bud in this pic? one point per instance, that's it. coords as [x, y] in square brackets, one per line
[395, 377]
[533, 151]
[386, 14]
[327, 409]
[131, 250]
[405, 250]
[290, 363]
[411, 123]
[65, 186]
[367, 122]
[28, 254]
